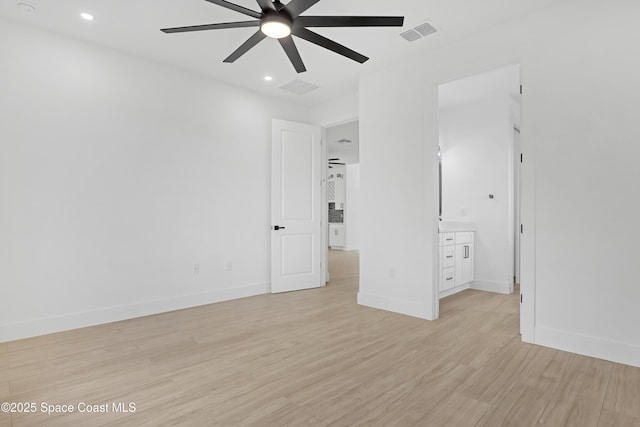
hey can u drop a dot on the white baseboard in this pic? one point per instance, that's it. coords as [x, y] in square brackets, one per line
[396, 305]
[455, 290]
[32, 328]
[491, 286]
[599, 348]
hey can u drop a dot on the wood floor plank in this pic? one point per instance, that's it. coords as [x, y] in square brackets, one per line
[317, 358]
[580, 397]
[516, 406]
[623, 393]
[609, 418]
[4, 391]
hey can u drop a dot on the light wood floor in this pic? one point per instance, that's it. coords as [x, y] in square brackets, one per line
[317, 358]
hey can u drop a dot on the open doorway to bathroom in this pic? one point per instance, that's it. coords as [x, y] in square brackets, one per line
[343, 202]
[479, 155]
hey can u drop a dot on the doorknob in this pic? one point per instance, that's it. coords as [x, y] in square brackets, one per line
[277, 227]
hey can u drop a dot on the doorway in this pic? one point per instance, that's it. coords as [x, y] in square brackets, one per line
[343, 197]
[480, 153]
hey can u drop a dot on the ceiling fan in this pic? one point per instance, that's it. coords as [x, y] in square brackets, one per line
[334, 163]
[280, 21]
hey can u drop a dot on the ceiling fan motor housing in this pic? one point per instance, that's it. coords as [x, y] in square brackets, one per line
[276, 24]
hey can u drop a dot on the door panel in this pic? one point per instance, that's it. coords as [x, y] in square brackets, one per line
[297, 174]
[295, 207]
[296, 254]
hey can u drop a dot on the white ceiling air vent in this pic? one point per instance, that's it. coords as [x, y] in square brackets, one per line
[411, 35]
[418, 32]
[299, 87]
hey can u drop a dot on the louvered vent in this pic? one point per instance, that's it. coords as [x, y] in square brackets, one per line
[299, 87]
[411, 35]
[425, 29]
[418, 32]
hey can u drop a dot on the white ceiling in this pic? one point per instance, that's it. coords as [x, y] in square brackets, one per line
[500, 82]
[133, 26]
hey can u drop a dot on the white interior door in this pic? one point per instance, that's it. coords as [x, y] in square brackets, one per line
[296, 214]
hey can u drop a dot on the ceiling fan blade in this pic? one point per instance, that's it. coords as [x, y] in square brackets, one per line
[292, 52]
[316, 38]
[211, 27]
[236, 8]
[296, 7]
[350, 21]
[244, 48]
[266, 5]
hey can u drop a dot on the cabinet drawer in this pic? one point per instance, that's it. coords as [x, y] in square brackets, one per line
[448, 279]
[448, 239]
[448, 256]
[464, 237]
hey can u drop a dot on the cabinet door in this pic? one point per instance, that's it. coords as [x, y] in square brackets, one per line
[464, 264]
[337, 237]
[467, 263]
[341, 237]
[459, 265]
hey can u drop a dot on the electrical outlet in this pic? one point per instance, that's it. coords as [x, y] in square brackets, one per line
[228, 266]
[196, 268]
[392, 272]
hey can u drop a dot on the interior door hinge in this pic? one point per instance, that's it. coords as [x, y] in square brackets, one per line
[521, 229]
[520, 89]
[520, 298]
[520, 157]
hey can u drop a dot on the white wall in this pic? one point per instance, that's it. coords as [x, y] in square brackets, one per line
[335, 112]
[476, 143]
[116, 176]
[352, 208]
[579, 133]
[398, 191]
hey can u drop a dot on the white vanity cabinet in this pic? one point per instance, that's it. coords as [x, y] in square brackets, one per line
[337, 237]
[456, 261]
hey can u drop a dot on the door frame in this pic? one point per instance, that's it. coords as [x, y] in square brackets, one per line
[517, 172]
[527, 195]
[341, 120]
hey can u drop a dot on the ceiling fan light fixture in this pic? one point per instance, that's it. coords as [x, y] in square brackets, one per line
[276, 28]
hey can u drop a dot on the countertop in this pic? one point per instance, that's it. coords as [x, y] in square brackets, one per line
[452, 227]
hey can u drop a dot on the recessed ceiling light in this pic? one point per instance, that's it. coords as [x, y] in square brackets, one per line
[268, 78]
[87, 16]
